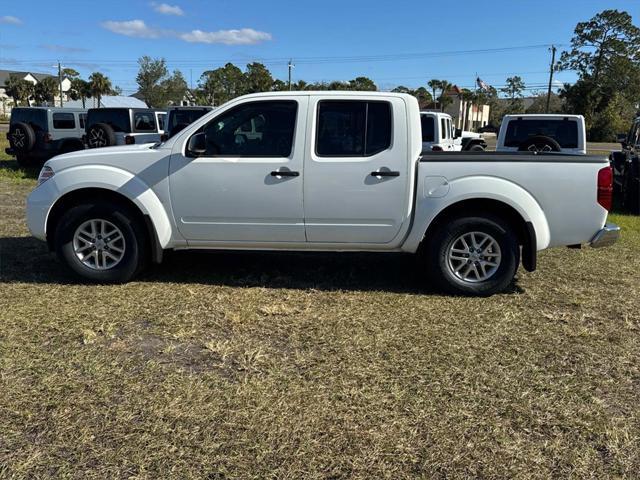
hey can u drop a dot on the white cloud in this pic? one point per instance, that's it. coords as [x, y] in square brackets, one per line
[8, 19]
[244, 36]
[132, 28]
[166, 9]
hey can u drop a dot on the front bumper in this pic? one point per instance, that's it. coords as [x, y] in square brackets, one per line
[606, 237]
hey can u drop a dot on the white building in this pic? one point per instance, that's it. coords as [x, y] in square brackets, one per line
[6, 102]
[466, 115]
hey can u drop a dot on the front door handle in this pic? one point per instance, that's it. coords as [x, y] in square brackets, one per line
[285, 173]
[386, 173]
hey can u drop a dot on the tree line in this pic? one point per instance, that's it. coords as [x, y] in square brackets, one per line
[605, 53]
[45, 91]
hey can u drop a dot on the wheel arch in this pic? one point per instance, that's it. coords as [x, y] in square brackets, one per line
[93, 194]
[524, 229]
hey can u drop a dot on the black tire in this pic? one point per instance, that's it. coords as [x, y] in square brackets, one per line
[22, 137]
[438, 247]
[631, 189]
[135, 246]
[540, 143]
[101, 135]
[476, 148]
[25, 161]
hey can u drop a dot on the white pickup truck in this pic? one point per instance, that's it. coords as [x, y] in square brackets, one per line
[543, 133]
[333, 171]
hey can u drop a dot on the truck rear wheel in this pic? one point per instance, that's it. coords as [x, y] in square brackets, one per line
[473, 255]
[101, 242]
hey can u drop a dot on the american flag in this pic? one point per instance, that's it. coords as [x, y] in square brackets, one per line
[483, 85]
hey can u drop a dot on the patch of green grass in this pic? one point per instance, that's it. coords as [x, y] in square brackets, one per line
[258, 365]
[9, 169]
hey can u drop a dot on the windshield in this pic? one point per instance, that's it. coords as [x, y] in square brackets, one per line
[565, 132]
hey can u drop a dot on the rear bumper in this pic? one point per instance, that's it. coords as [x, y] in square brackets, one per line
[606, 237]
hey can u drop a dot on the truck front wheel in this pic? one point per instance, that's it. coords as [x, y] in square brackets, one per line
[101, 242]
[473, 255]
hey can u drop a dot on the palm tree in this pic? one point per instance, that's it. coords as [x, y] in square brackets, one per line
[434, 84]
[100, 85]
[19, 89]
[80, 90]
[444, 98]
[467, 97]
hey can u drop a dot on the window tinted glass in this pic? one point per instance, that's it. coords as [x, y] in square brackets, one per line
[378, 127]
[179, 119]
[443, 126]
[144, 121]
[83, 119]
[225, 137]
[35, 117]
[565, 132]
[63, 121]
[428, 128]
[118, 119]
[352, 128]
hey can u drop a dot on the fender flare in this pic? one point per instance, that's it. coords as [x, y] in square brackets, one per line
[429, 206]
[121, 182]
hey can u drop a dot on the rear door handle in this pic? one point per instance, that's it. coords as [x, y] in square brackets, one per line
[285, 173]
[385, 174]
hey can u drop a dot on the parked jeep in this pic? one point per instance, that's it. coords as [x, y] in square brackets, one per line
[180, 117]
[543, 133]
[440, 135]
[626, 169]
[107, 127]
[37, 134]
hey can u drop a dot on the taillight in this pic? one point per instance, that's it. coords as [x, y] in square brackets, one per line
[129, 140]
[605, 187]
[436, 148]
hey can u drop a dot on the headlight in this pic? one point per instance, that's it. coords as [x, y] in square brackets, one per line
[45, 174]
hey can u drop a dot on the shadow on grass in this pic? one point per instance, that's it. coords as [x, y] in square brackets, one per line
[27, 260]
[9, 168]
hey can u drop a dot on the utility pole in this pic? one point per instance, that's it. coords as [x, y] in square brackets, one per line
[553, 64]
[60, 83]
[290, 65]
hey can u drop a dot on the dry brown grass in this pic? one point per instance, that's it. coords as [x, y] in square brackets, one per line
[230, 365]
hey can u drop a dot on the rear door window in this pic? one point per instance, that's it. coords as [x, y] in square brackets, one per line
[64, 121]
[428, 128]
[565, 132]
[353, 128]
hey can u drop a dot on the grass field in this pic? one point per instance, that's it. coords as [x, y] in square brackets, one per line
[230, 365]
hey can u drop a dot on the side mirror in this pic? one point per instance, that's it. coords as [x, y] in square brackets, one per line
[197, 145]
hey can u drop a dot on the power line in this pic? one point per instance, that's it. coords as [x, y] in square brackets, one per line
[319, 60]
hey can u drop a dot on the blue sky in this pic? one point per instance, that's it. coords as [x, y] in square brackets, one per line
[404, 42]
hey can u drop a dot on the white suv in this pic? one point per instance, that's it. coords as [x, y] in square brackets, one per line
[107, 127]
